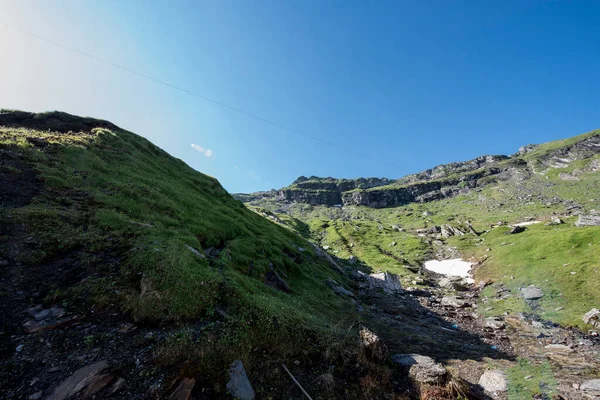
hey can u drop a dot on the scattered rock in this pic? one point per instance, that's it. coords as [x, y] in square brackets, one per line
[516, 229]
[555, 221]
[494, 323]
[42, 315]
[239, 385]
[454, 282]
[447, 231]
[427, 213]
[36, 396]
[422, 369]
[79, 381]
[591, 388]
[559, 348]
[588, 220]
[494, 381]
[374, 347]
[532, 293]
[387, 281]
[117, 386]
[592, 317]
[273, 279]
[338, 289]
[183, 391]
[196, 252]
[454, 301]
[352, 260]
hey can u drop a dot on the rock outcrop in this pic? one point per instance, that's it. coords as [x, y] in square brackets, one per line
[440, 182]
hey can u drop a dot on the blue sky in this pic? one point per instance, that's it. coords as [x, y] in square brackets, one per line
[414, 84]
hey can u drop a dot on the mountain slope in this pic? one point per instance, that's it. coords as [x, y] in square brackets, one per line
[100, 223]
[467, 210]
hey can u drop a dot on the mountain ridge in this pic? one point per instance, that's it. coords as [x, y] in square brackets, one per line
[444, 180]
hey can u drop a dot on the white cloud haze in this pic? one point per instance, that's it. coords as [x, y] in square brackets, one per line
[207, 152]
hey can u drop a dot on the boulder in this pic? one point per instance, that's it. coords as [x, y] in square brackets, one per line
[532, 293]
[454, 282]
[352, 260]
[338, 289]
[494, 323]
[422, 369]
[494, 381]
[592, 317]
[239, 385]
[516, 229]
[454, 301]
[588, 220]
[82, 379]
[555, 221]
[389, 282]
[591, 389]
[558, 348]
[373, 346]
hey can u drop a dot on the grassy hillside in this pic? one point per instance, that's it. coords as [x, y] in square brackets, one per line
[98, 217]
[562, 260]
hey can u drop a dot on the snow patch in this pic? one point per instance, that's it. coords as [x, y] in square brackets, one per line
[455, 267]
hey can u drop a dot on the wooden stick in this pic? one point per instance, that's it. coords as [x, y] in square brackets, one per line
[296, 382]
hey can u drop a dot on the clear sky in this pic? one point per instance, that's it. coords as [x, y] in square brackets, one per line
[411, 83]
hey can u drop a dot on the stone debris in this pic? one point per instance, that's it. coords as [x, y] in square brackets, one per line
[183, 390]
[88, 376]
[338, 289]
[373, 346]
[591, 389]
[387, 281]
[494, 381]
[592, 317]
[239, 385]
[532, 293]
[588, 220]
[494, 323]
[516, 229]
[454, 301]
[561, 348]
[422, 369]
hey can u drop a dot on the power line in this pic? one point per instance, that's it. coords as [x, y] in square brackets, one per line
[227, 106]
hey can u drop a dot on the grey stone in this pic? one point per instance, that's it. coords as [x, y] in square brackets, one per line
[591, 388]
[373, 346]
[555, 221]
[592, 317]
[36, 396]
[494, 381]
[78, 381]
[42, 315]
[452, 282]
[454, 301]
[532, 293]
[239, 385]
[387, 281]
[195, 252]
[494, 323]
[422, 369]
[561, 348]
[516, 229]
[338, 289]
[588, 220]
[352, 260]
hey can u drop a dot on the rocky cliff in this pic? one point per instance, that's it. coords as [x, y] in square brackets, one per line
[442, 181]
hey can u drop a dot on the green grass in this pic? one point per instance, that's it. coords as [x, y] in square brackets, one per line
[541, 380]
[545, 256]
[117, 195]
